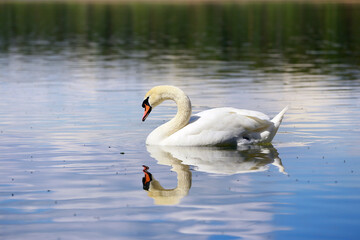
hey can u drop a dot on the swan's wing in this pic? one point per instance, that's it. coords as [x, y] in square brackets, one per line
[219, 126]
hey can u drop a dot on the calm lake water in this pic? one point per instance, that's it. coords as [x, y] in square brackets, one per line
[72, 144]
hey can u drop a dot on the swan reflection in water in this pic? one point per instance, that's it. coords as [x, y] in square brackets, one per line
[252, 158]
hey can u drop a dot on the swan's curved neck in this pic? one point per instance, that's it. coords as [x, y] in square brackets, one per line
[183, 114]
[180, 120]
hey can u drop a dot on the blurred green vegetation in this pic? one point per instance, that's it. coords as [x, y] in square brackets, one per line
[211, 30]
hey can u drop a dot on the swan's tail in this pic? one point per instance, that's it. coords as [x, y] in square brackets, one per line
[277, 121]
[278, 118]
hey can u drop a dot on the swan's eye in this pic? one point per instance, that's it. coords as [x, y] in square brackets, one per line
[145, 102]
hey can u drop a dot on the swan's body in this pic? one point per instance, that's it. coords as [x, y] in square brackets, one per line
[214, 127]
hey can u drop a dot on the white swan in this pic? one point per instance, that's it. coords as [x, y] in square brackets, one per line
[213, 127]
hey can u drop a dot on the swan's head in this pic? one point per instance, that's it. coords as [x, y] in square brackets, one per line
[154, 97]
[158, 94]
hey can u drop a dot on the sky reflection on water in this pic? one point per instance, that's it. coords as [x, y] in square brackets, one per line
[62, 167]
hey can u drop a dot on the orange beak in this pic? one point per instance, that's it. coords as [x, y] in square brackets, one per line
[146, 112]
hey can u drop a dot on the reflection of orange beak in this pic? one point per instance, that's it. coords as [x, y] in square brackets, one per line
[146, 112]
[146, 179]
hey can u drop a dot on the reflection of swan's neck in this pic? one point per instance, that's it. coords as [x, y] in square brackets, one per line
[164, 196]
[180, 120]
